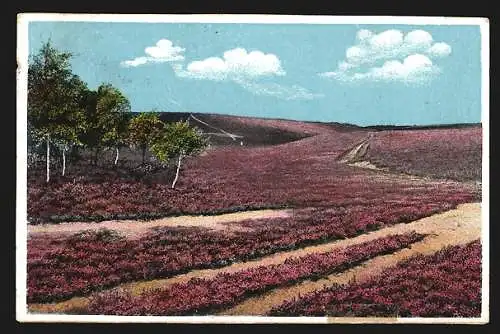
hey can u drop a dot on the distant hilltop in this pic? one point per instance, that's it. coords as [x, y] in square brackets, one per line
[222, 120]
[422, 127]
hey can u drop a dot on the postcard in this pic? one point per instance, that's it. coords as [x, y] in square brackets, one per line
[252, 169]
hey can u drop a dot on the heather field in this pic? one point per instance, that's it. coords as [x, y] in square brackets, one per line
[440, 153]
[445, 284]
[203, 296]
[281, 165]
[200, 169]
[297, 174]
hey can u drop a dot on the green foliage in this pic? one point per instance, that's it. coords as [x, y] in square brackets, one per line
[106, 120]
[102, 234]
[55, 97]
[178, 139]
[63, 111]
[144, 129]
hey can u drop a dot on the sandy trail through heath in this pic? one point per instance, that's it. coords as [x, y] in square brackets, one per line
[453, 227]
[135, 229]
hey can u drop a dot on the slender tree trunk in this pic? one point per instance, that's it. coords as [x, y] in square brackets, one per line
[143, 155]
[48, 159]
[96, 156]
[117, 154]
[64, 160]
[177, 173]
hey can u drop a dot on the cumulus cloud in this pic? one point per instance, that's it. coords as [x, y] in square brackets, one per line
[235, 64]
[163, 51]
[414, 69]
[439, 50]
[246, 69]
[391, 56]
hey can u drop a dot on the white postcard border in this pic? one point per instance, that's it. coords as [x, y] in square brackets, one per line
[23, 21]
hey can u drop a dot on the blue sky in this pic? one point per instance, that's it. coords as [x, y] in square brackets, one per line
[361, 74]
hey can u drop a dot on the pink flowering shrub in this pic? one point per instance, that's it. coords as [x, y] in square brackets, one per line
[445, 284]
[202, 296]
[55, 265]
[299, 174]
[444, 153]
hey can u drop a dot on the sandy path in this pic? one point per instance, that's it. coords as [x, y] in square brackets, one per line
[453, 227]
[359, 150]
[450, 228]
[136, 229]
[351, 158]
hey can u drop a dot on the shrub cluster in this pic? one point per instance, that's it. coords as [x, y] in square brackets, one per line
[204, 296]
[445, 284]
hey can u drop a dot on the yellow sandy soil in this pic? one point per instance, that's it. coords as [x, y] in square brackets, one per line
[136, 229]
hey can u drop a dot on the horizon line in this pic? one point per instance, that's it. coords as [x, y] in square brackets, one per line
[318, 121]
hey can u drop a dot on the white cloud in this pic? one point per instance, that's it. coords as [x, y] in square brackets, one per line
[234, 64]
[163, 51]
[414, 69]
[237, 65]
[364, 35]
[418, 40]
[246, 69]
[386, 41]
[439, 50]
[294, 92]
[135, 62]
[406, 58]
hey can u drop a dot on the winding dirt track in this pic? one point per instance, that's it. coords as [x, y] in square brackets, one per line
[134, 229]
[453, 227]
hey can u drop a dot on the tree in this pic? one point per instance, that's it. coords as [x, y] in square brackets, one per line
[106, 119]
[115, 106]
[91, 138]
[54, 100]
[35, 145]
[176, 141]
[144, 129]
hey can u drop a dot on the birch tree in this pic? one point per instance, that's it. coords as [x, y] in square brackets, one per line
[177, 141]
[114, 106]
[54, 101]
[143, 131]
[106, 118]
[91, 138]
